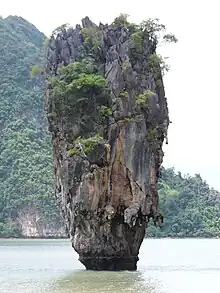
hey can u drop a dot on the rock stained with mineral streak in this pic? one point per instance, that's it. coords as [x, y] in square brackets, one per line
[106, 169]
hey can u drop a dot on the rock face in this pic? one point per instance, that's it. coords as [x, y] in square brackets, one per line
[107, 141]
[33, 225]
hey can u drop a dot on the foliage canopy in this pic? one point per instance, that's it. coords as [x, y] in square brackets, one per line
[26, 179]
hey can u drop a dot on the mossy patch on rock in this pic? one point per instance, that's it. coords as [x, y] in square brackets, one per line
[142, 99]
[123, 94]
[152, 133]
[84, 146]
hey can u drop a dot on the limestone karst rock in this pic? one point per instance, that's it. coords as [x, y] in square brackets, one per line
[108, 117]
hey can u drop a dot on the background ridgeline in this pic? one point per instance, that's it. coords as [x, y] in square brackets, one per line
[27, 206]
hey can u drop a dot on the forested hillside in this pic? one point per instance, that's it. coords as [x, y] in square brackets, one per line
[190, 207]
[26, 186]
[27, 204]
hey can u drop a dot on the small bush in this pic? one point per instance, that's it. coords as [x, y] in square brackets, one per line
[121, 20]
[88, 145]
[123, 94]
[152, 135]
[104, 112]
[142, 99]
[157, 64]
[92, 37]
[152, 27]
[136, 41]
[91, 142]
[170, 38]
[61, 29]
[74, 151]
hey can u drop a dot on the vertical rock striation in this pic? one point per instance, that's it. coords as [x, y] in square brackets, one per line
[108, 117]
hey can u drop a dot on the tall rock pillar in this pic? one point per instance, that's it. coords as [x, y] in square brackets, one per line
[108, 117]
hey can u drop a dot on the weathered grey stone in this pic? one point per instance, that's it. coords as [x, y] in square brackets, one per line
[108, 196]
[86, 23]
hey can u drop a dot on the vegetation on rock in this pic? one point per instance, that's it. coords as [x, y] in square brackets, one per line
[84, 146]
[92, 38]
[79, 93]
[104, 113]
[77, 83]
[123, 94]
[157, 64]
[156, 33]
[142, 99]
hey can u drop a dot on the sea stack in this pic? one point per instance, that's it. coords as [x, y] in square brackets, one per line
[108, 116]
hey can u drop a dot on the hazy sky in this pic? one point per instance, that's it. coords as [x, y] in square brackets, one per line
[192, 83]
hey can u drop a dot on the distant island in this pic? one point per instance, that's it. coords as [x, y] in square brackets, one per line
[28, 208]
[190, 207]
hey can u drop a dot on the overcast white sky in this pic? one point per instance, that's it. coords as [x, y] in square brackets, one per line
[191, 85]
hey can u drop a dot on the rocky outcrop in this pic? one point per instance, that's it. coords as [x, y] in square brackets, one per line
[107, 140]
[33, 225]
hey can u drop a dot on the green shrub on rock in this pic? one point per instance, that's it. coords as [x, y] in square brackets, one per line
[78, 83]
[142, 99]
[157, 64]
[84, 146]
[92, 37]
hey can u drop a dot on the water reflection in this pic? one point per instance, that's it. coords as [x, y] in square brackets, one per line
[102, 282]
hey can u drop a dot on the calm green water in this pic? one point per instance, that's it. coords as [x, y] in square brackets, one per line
[165, 266]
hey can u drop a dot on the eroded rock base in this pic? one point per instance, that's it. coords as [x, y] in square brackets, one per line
[110, 263]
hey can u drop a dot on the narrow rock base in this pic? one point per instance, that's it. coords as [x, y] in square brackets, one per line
[110, 263]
